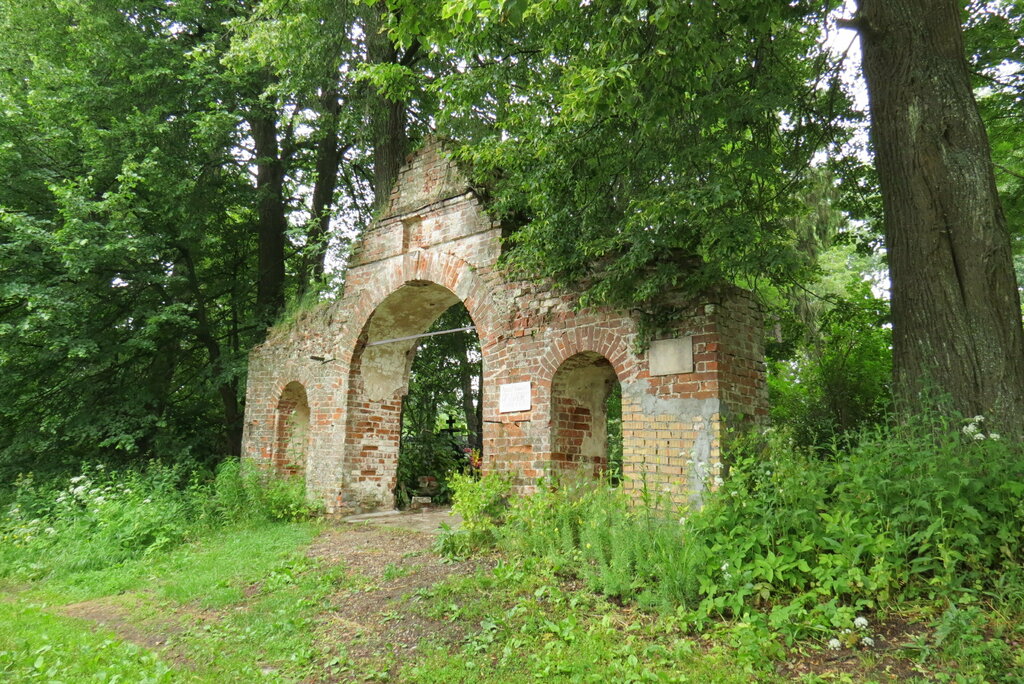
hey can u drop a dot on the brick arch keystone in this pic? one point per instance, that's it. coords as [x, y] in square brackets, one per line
[580, 340]
[446, 270]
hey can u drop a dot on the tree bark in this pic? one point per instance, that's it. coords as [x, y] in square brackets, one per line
[957, 336]
[271, 217]
[227, 387]
[390, 137]
[328, 159]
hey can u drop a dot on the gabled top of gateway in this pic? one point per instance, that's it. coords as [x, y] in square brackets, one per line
[426, 178]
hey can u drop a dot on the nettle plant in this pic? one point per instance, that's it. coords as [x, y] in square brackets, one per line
[96, 519]
[802, 544]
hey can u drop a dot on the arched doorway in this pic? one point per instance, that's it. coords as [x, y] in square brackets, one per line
[292, 430]
[442, 412]
[378, 382]
[586, 417]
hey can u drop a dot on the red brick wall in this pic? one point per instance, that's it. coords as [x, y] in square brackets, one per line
[292, 420]
[436, 235]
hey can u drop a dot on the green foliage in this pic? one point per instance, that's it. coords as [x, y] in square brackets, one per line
[590, 529]
[95, 519]
[444, 385]
[126, 254]
[798, 544]
[104, 517]
[482, 503]
[435, 455]
[242, 492]
[829, 339]
[613, 442]
[992, 35]
[34, 647]
[838, 381]
[632, 160]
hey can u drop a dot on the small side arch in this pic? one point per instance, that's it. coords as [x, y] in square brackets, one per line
[582, 436]
[291, 430]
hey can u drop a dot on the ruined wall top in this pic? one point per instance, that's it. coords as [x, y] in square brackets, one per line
[432, 207]
[427, 177]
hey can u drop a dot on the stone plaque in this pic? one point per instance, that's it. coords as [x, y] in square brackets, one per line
[669, 357]
[514, 396]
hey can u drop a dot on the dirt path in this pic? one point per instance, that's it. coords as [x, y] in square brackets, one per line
[371, 623]
[377, 624]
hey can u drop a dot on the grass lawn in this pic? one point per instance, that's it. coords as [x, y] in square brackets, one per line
[309, 602]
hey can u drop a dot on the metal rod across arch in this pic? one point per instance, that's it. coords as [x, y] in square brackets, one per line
[416, 337]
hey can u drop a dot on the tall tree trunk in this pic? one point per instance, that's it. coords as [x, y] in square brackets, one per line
[227, 387]
[390, 138]
[955, 307]
[328, 159]
[271, 216]
[470, 400]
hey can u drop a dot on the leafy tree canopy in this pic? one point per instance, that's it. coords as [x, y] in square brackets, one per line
[641, 147]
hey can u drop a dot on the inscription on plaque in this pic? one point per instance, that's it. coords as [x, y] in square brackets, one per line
[669, 357]
[514, 396]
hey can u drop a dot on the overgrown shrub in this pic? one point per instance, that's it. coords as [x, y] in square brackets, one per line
[837, 382]
[94, 519]
[242, 492]
[482, 502]
[103, 517]
[927, 512]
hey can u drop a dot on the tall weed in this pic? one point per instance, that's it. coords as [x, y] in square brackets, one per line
[482, 503]
[243, 492]
[924, 512]
[103, 517]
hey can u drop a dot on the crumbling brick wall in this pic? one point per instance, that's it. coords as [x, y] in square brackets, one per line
[435, 246]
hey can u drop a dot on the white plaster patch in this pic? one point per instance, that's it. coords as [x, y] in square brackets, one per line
[670, 357]
[514, 396]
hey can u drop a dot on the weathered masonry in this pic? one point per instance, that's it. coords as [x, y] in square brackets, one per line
[324, 400]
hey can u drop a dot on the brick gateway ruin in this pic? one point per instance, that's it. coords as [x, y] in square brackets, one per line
[324, 400]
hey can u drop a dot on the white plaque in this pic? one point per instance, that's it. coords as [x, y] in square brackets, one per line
[669, 357]
[514, 396]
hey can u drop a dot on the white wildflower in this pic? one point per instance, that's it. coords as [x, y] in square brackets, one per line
[100, 467]
[978, 419]
[994, 436]
[719, 481]
[860, 622]
[978, 437]
[970, 429]
[100, 499]
[834, 644]
[76, 479]
[867, 642]
[725, 566]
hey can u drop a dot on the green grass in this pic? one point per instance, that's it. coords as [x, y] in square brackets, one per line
[586, 587]
[212, 572]
[529, 627]
[243, 598]
[36, 645]
[247, 604]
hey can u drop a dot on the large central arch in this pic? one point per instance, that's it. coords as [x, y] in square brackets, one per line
[546, 359]
[379, 379]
